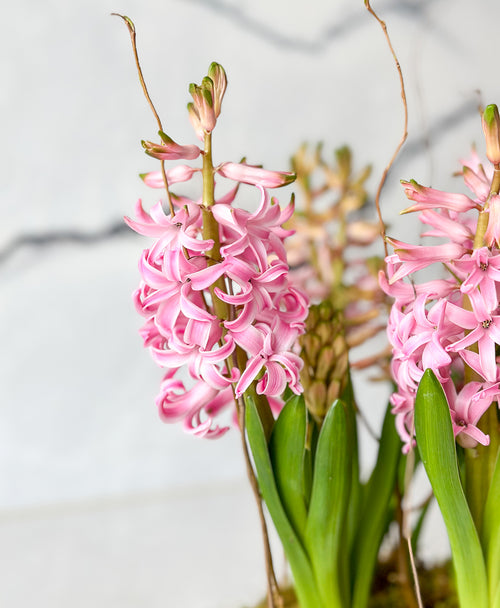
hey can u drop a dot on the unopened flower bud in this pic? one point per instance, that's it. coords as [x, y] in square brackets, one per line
[203, 104]
[430, 198]
[326, 359]
[256, 176]
[491, 129]
[194, 118]
[218, 76]
[181, 173]
[492, 234]
[344, 161]
[170, 150]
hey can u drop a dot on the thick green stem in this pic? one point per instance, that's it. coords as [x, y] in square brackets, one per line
[208, 173]
[211, 228]
[482, 224]
[479, 466]
[222, 309]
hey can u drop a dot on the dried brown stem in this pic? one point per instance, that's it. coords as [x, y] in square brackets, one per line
[414, 573]
[131, 29]
[406, 530]
[402, 562]
[405, 128]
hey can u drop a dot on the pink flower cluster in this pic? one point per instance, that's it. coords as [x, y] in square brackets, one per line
[265, 313]
[452, 323]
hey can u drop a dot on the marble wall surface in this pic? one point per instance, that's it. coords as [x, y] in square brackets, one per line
[101, 504]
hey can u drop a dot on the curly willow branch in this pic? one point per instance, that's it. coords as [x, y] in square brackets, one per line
[406, 532]
[405, 127]
[131, 30]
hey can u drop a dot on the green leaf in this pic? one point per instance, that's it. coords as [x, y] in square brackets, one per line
[375, 513]
[305, 585]
[356, 488]
[326, 530]
[312, 431]
[436, 444]
[286, 448]
[491, 535]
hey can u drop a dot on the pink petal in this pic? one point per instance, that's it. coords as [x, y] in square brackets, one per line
[249, 174]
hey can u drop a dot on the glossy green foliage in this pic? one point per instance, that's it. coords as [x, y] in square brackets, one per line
[326, 532]
[305, 583]
[436, 444]
[330, 524]
[491, 537]
[375, 515]
[287, 452]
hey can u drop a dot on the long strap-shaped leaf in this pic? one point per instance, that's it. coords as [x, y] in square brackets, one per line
[286, 448]
[305, 584]
[326, 530]
[436, 444]
[373, 519]
[355, 499]
[491, 536]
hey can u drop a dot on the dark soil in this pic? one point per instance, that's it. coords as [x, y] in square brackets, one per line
[436, 587]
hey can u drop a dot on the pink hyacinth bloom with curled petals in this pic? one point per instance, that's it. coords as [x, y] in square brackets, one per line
[220, 312]
[183, 330]
[181, 173]
[429, 198]
[169, 150]
[492, 235]
[483, 330]
[466, 409]
[256, 176]
[173, 232]
[417, 257]
[254, 236]
[197, 406]
[448, 324]
[270, 349]
[446, 226]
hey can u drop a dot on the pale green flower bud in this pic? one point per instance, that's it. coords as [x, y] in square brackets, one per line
[491, 129]
[326, 359]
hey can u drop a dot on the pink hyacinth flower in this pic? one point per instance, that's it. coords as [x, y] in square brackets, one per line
[481, 269]
[170, 150]
[181, 173]
[269, 348]
[483, 329]
[196, 406]
[467, 408]
[249, 174]
[444, 226]
[492, 235]
[254, 234]
[429, 198]
[416, 257]
[172, 232]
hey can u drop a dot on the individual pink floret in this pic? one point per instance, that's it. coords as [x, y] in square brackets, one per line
[256, 176]
[429, 198]
[181, 173]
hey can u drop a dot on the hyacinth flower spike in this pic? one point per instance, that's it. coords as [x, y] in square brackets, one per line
[215, 291]
[467, 386]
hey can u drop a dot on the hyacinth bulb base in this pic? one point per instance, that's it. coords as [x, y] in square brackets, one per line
[436, 586]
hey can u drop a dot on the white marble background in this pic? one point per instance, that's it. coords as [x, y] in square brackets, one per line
[100, 504]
